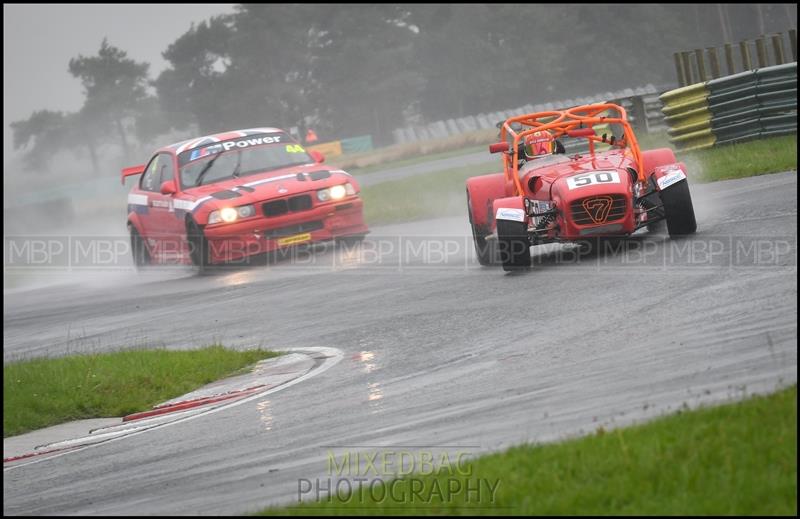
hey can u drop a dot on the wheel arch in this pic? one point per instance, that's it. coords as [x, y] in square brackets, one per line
[651, 159]
[481, 192]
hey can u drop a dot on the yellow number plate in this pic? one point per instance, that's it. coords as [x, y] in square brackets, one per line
[297, 238]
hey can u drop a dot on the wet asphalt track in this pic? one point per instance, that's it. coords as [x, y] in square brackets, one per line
[435, 354]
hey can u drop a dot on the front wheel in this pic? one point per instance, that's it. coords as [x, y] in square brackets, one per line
[141, 256]
[679, 210]
[514, 247]
[485, 250]
[199, 250]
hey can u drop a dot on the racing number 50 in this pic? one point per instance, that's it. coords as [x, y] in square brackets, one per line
[598, 177]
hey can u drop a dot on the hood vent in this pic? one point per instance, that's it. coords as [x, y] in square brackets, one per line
[224, 195]
[319, 175]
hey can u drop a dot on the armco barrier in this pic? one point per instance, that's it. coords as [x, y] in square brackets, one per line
[747, 105]
[641, 103]
[357, 144]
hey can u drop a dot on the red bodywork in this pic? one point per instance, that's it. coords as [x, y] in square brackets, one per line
[162, 218]
[578, 195]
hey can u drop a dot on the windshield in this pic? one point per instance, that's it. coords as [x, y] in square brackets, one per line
[222, 161]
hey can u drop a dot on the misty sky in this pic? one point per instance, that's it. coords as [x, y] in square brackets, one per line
[39, 40]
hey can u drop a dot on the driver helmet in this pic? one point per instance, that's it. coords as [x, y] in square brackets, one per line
[538, 143]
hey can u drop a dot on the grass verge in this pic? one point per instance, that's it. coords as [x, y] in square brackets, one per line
[738, 459]
[43, 392]
[441, 193]
[745, 159]
[384, 158]
[422, 196]
[419, 159]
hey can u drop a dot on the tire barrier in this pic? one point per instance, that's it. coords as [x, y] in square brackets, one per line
[748, 105]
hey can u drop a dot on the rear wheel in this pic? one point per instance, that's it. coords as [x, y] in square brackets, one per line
[199, 250]
[141, 256]
[514, 248]
[679, 210]
[485, 250]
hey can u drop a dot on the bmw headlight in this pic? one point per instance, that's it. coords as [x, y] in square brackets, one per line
[231, 214]
[335, 192]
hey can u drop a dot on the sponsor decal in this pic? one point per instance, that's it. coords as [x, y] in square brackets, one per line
[504, 213]
[184, 205]
[203, 152]
[598, 208]
[674, 176]
[255, 141]
[593, 178]
[297, 238]
[197, 149]
[136, 199]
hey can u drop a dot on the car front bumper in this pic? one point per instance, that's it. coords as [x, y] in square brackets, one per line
[258, 235]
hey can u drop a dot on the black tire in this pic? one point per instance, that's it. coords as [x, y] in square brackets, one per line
[514, 247]
[141, 256]
[485, 250]
[199, 250]
[679, 210]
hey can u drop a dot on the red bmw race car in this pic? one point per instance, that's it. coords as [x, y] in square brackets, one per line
[225, 197]
[548, 195]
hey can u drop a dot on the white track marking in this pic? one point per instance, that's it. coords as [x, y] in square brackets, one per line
[333, 356]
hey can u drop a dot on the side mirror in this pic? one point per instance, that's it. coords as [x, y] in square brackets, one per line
[498, 147]
[318, 157]
[168, 188]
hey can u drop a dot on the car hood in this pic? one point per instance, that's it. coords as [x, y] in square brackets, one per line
[265, 186]
[566, 165]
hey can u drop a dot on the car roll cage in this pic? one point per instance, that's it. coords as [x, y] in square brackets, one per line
[564, 122]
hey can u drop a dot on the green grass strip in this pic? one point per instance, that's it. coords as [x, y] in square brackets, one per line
[736, 459]
[419, 160]
[744, 159]
[43, 392]
[442, 193]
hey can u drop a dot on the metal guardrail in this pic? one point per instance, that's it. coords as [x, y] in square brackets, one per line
[644, 112]
[643, 109]
[747, 105]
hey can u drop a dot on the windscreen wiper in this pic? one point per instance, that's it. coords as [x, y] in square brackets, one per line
[207, 167]
[236, 171]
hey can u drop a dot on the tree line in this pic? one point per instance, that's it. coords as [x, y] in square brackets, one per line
[349, 70]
